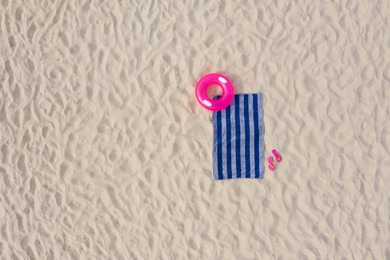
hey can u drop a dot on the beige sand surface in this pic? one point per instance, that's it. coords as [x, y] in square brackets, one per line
[105, 154]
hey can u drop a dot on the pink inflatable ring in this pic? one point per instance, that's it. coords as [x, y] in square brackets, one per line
[227, 92]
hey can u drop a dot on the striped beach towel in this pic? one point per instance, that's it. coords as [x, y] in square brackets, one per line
[238, 142]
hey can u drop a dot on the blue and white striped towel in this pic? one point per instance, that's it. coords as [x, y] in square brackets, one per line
[238, 145]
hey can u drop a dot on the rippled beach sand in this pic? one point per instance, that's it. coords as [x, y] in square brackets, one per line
[105, 153]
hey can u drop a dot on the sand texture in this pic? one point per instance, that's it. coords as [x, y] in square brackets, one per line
[105, 153]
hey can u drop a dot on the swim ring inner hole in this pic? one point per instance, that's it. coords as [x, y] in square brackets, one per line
[214, 91]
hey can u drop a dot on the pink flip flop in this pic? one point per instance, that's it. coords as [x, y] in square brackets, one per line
[271, 164]
[278, 158]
